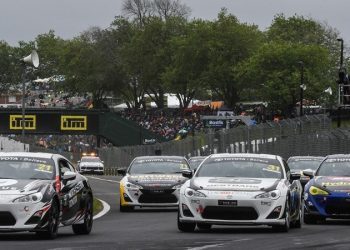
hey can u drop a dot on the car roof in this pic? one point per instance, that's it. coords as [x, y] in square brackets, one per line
[336, 156]
[301, 157]
[159, 157]
[29, 154]
[265, 156]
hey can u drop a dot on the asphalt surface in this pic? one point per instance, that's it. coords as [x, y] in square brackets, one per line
[157, 229]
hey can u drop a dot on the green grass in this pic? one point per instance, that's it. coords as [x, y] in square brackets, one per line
[97, 206]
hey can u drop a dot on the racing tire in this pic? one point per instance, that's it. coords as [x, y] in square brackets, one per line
[284, 228]
[185, 226]
[51, 230]
[298, 222]
[125, 209]
[310, 220]
[86, 227]
[203, 226]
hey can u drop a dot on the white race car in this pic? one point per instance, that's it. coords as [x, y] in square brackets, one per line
[240, 189]
[152, 181]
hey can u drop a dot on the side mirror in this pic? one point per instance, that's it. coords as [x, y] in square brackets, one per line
[187, 173]
[309, 172]
[121, 171]
[295, 176]
[69, 175]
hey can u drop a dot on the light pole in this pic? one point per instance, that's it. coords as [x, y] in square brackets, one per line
[341, 75]
[302, 87]
[32, 60]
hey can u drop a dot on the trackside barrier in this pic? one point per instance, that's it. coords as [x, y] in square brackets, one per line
[307, 135]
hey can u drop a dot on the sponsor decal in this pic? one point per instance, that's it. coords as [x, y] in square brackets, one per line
[272, 168]
[29, 122]
[339, 160]
[159, 160]
[336, 184]
[234, 180]
[241, 159]
[74, 122]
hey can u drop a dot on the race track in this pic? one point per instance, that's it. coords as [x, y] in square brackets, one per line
[157, 229]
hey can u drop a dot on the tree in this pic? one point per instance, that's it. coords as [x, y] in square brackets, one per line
[274, 72]
[86, 66]
[230, 43]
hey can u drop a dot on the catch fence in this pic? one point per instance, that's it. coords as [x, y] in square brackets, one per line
[307, 135]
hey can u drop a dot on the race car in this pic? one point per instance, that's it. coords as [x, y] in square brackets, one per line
[152, 181]
[240, 189]
[326, 195]
[194, 161]
[39, 192]
[91, 165]
[299, 163]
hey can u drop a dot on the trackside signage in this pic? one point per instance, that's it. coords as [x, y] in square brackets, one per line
[215, 123]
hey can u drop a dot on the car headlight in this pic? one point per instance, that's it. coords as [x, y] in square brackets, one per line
[274, 195]
[317, 191]
[129, 185]
[189, 192]
[33, 198]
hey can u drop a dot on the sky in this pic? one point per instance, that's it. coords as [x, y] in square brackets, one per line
[25, 19]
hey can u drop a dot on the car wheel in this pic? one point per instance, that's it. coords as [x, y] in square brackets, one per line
[297, 223]
[285, 227]
[203, 226]
[86, 227]
[185, 226]
[125, 208]
[53, 221]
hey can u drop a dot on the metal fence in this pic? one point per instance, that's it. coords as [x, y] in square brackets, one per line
[308, 135]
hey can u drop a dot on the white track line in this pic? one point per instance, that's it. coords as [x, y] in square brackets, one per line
[105, 209]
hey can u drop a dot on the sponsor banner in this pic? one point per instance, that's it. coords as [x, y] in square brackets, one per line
[17, 120]
[215, 123]
[73, 122]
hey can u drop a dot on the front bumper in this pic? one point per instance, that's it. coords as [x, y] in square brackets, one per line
[335, 205]
[149, 197]
[91, 170]
[246, 211]
[23, 216]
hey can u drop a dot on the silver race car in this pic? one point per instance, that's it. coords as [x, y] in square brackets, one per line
[40, 192]
[240, 189]
[152, 181]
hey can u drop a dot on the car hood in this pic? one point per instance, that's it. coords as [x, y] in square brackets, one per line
[333, 184]
[231, 183]
[151, 180]
[21, 187]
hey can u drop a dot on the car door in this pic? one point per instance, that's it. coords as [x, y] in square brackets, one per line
[295, 191]
[70, 190]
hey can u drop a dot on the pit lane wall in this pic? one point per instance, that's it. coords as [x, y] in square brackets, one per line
[307, 135]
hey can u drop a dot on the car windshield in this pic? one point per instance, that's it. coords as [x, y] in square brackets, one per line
[240, 167]
[304, 164]
[17, 167]
[90, 159]
[194, 162]
[158, 166]
[334, 167]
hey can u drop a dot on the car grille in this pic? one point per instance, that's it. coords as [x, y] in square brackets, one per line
[7, 219]
[339, 207]
[229, 213]
[157, 196]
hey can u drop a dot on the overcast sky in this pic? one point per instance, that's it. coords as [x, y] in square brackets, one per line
[25, 19]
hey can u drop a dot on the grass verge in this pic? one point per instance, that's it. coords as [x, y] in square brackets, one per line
[97, 206]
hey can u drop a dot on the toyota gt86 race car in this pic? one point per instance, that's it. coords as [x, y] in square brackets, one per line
[299, 163]
[40, 192]
[326, 195]
[152, 181]
[240, 189]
